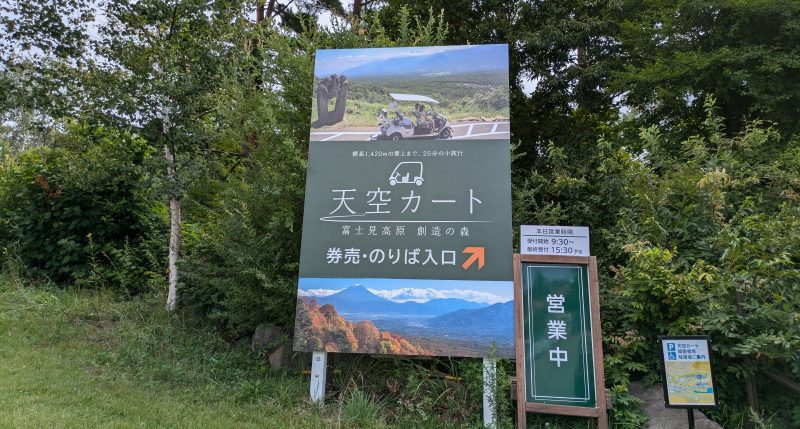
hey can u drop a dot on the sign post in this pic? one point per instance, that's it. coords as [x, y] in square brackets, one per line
[489, 393]
[559, 349]
[319, 366]
[686, 371]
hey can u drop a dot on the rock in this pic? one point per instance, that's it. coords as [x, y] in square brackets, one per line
[278, 358]
[276, 344]
[266, 336]
[661, 417]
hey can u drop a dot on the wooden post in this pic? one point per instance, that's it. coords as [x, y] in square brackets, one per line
[518, 321]
[597, 340]
[319, 364]
[490, 393]
[749, 381]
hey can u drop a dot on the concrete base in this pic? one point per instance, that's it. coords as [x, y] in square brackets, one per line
[661, 417]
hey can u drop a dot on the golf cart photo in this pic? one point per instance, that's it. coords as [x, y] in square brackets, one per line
[429, 123]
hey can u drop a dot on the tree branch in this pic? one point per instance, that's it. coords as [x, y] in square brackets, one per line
[279, 10]
[172, 21]
[226, 153]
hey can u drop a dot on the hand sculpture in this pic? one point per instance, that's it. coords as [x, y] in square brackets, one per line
[331, 87]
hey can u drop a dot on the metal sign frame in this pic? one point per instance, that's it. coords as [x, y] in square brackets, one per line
[523, 406]
[705, 338]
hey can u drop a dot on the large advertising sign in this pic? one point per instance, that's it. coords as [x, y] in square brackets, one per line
[406, 245]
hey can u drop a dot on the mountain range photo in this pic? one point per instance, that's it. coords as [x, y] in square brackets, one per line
[359, 300]
[440, 326]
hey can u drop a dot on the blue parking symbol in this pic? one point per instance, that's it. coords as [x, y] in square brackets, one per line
[672, 356]
[671, 347]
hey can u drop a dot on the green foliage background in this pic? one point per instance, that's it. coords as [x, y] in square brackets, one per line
[668, 128]
[80, 211]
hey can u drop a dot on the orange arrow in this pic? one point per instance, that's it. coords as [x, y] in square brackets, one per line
[477, 254]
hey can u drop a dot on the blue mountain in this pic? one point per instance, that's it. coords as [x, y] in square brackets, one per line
[479, 58]
[356, 294]
[497, 319]
[358, 299]
[446, 305]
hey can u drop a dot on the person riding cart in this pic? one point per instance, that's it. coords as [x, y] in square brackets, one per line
[401, 127]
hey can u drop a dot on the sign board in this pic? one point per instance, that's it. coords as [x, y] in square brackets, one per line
[559, 363]
[406, 245]
[554, 240]
[686, 370]
[559, 353]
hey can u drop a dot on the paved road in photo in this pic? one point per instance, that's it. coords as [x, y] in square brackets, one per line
[461, 131]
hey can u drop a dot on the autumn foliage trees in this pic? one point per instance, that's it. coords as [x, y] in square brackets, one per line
[322, 328]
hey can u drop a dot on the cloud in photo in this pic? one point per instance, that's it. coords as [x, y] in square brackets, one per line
[416, 294]
[317, 292]
[424, 295]
[419, 290]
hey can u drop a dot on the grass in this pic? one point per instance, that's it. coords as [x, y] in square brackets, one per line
[361, 409]
[85, 359]
[363, 113]
[81, 359]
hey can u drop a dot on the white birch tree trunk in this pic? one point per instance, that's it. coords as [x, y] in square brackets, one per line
[174, 218]
[174, 249]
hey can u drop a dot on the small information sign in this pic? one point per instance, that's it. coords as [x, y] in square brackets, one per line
[688, 382]
[554, 240]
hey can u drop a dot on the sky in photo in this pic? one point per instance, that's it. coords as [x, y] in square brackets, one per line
[388, 60]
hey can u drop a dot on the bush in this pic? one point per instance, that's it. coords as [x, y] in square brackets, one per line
[240, 270]
[79, 211]
[240, 265]
[711, 240]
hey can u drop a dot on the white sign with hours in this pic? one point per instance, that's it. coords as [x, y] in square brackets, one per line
[554, 240]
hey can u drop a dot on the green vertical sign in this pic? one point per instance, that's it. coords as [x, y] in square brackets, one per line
[557, 329]
[407, 238]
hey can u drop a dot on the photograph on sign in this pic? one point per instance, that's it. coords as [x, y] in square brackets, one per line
[406, 244]
[438, 92]
[688, 382]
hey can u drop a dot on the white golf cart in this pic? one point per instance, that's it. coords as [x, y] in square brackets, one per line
[429, 123]
[408, 172]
